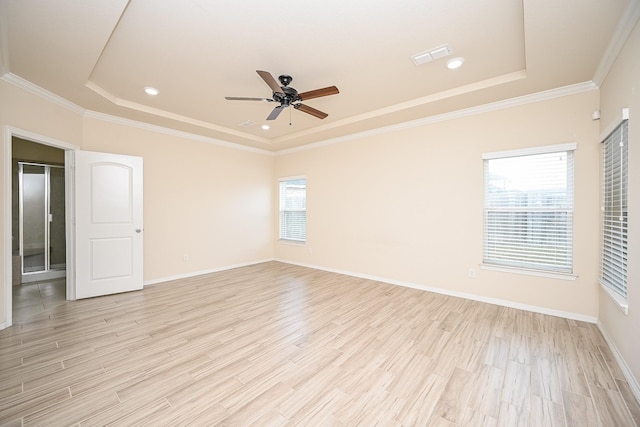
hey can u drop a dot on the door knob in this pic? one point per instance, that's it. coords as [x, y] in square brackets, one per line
[138, 230]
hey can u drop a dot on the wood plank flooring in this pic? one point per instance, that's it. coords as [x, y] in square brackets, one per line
[274, 344]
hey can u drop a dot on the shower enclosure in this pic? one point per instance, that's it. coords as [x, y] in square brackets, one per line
[42, 222]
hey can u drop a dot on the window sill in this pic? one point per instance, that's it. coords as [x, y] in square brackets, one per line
[524, 271]
[617, 299]
[293, 242]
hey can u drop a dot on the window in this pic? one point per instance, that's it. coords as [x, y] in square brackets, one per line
[613, 271]
[528, 209]
[293, 209]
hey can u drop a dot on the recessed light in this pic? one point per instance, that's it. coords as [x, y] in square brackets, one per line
[454, 63]
[151, 91]
[266, 127]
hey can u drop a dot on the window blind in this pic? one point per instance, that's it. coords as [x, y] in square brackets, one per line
[614, 211]
[293, 209]
[528, 210]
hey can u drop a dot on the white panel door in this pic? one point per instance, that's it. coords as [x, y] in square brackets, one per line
[108, 211]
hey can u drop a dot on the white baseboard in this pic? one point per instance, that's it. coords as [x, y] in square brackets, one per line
[3, 325]
[628, 375]
[201, 272]
[495, 301]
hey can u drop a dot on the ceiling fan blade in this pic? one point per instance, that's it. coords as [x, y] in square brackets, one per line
[310, 110]
[331, 90]
[268, 79]
[276, 112]
[242, 98]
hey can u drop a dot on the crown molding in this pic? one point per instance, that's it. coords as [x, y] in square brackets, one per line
[472, 111]
[439, 96]
[173, 132]
[41, 93]
[624, 28]
[169, 115]
[499, 105]
[36, 90]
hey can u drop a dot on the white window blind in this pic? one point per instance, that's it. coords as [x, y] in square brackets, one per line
[293, 209]
[528, 209]
[614, 211]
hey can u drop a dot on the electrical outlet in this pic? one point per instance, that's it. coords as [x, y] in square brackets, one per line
[185, 257]
[472, 273]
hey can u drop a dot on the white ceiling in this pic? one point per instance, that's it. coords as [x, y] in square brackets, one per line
[100, 54]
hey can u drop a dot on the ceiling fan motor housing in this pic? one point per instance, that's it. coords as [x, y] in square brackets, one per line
[290, 95]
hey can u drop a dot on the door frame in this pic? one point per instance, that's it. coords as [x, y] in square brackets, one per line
[69, 185]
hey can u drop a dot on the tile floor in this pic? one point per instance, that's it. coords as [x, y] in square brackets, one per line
[37, 298]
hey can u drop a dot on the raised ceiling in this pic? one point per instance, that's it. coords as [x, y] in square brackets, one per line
[100, 55]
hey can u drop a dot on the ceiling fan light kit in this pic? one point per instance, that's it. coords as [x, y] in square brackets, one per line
[288, 96]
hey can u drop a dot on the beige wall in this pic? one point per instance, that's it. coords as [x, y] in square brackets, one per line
[22, 110]
[406, 206]
[621, 89]
[208, 201]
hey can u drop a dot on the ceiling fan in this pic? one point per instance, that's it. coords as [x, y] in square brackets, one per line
[288, 96]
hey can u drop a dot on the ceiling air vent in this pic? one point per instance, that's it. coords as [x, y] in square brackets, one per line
[431, 54]
[247, 124]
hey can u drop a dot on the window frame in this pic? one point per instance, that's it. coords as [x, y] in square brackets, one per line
[620, 171]
[521, 267]
[282, 236]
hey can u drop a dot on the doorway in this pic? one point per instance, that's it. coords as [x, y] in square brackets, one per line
[42, 245]
[38, 228]
[102, 171]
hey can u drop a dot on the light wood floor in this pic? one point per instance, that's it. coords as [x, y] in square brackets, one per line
[274, 344]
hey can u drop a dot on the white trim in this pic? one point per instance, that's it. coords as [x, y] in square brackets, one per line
[172, 116]
[280, 210]
[499, 105]
[70, 222]
[36, 90]
[604, 134]
[8, 248]
[416, 102]
[9, 133]
[620, 302]
[626, 371]
[527, 272]
[292, 242]
[173, 132]
[624, 28]
[471, 111]
[40, 139]
[164, 280]
[543, 149]
[473, 297]
[41, 93]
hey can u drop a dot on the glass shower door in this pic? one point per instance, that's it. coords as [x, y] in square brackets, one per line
[57, 238]
[33, 218]
[42, 225]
